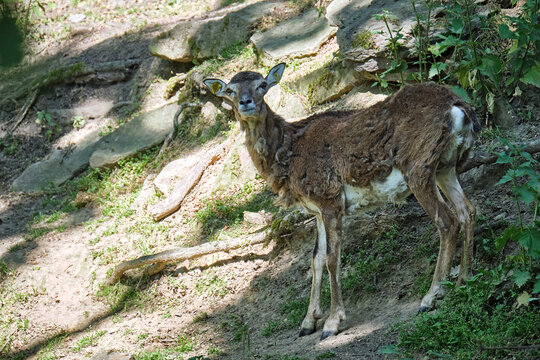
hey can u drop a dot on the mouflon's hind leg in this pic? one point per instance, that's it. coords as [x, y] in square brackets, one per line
[314, 313]
[332, 223]
[447, 225]
[449, 184]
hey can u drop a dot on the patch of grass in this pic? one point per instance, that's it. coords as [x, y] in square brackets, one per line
[226, 211]
[4, 268]
[480, 315]
[47, 351]
[9, 145]
[203, 316]
[240, 332]
[422, 282]
[271, 328]
[326, 355]
[119, 296]
[364, 39]
[211, 284]
[372, 261]
[34, 233]
[183, 344]
[294, 311]
[89, 340]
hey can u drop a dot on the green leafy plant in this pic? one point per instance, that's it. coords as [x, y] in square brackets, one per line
[46, 121]
[78, 122]
[421, 37]
[522, 57]
[395, 42]
[524, 178]
[474, 62]
[9, 145]
[472, 318]
[89, 340]
[492, 315]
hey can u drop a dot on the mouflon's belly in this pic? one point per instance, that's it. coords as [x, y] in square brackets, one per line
[360, 199]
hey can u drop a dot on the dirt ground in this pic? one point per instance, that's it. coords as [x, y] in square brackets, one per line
[52, 280]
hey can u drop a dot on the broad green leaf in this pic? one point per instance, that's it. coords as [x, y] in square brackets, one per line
[504, 158]
[525, 169]
[525, 194]
[521, 277]
[532, 76]
[536, 287]
[511, 232]
[457, 25]
[491, 67]
[462, 93]
[530, 239]
[506, 178]
[529, 157]
[436, 69]
[523, 299]
[505, 32]
[462, 74]
[436, 49]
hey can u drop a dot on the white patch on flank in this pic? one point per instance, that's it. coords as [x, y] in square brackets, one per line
[457, 119]
[392, 189]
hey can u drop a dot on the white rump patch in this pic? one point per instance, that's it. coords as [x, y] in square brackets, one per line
[392, 189]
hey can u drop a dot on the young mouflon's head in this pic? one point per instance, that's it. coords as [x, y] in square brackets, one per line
[246, 91]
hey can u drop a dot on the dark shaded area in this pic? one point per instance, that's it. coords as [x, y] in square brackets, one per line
[11, 38]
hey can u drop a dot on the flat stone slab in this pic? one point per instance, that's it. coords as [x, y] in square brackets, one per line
[58, 167]
[139, 134]
[203, 39]
[297, 37]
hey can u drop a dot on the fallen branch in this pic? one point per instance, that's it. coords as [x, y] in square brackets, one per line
[22, 113]
[174, 131]
[483, 158]
[173, 202]
[159, 260]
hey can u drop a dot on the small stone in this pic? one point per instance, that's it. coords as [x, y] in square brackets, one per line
[76, 18]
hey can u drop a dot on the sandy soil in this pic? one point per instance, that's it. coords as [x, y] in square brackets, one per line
[51, 302]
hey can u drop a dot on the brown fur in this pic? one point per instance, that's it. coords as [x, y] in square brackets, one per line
[356, 147]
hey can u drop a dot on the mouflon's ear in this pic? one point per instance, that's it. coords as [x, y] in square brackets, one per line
[216, 86]
[275, 74]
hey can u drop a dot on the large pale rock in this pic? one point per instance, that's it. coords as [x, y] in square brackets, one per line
[58, 167]
[141, 133]
[285, 104]
[360, 98]
[297, 37]
[202, 39]
[325, 84]
[238, 167]
[363, 40]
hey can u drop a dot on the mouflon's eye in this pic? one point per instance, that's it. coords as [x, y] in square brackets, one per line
[229, 92]
[263, 86]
